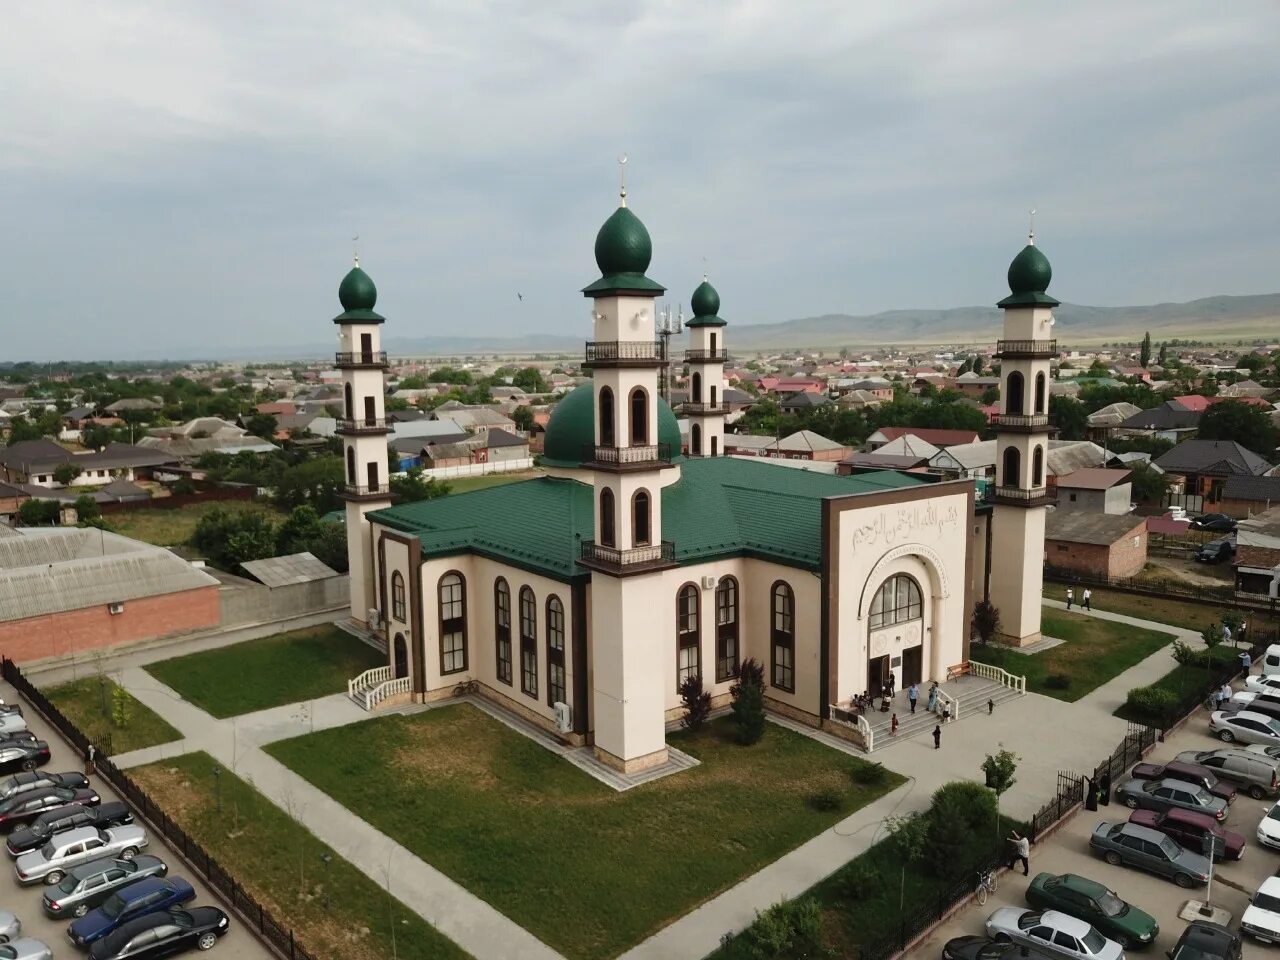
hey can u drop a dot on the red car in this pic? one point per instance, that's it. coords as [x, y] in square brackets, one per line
[1188, 828]
[1188, 772]
[22, 808]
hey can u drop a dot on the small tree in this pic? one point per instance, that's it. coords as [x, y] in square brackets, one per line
[696, 702]
[910, 838]
[1212, 636]
[748, 701]
[64, 473]
[998, 769]
[986, 620]
[87, 509]
[121, 712]
[1144, 352]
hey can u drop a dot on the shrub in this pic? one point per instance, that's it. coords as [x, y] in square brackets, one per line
[1057, 681]
[825, 801]
[1152, 702]
[789, 930]
[857, 881]
[958, 812]
[697, 703]
[748, 701]
[866, 774]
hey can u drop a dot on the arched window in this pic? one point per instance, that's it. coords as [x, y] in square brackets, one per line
[606, 418]
[1012, 475]
[640, 518]
[397, 597]
[351, 465]
[695, 439]
[1040, 393]
[350, 403]
[784, 637]
[1013, 393]
[399, 657]
[502, 628]
[639, 417]
[726, 629]
[897, 601]
[688, 658]
[695, 387]
[453, 623]
[556, 692]
[608, 521]
[1037, 466]
[528, 643]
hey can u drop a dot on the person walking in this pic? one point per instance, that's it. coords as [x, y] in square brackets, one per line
[893, 725]
[937, 736]
[893, 684]
[1071, 596]
[932, 703]
[1088, 595]
[1021, 851]
[1246, 661]
[913, 694]
[991, 706]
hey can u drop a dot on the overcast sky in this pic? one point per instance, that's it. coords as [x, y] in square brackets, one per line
[187, 176]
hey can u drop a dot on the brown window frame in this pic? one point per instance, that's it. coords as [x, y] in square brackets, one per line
[608, 518]
[727, 630]
[639, 437]
[528, 641]
[501, 630]
[886, 611]
[453, 626]
[398, 610]
[555, 654]
[636, 539]
[783, 638]
[688, 638]
[608, 418]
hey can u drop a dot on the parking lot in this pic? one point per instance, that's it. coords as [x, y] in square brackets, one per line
[24, 902]
[1068, 851]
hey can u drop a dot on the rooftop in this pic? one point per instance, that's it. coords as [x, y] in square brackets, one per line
[1078, 526]
[1093, 478]
[292, 568]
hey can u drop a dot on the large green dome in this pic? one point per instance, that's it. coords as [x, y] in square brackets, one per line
[1029, 276]
[623, 252]
[706, 304]
[573, 426]
[358, 296]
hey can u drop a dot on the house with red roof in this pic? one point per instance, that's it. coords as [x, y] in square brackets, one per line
[937, 437]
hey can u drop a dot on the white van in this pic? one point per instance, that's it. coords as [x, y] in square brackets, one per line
[1271, 660]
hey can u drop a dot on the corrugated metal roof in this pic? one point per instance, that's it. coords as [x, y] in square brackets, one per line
[293, 568]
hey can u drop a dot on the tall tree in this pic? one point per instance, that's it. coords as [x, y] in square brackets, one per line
[1246, 424]
[1144, 353]
[1163, 354]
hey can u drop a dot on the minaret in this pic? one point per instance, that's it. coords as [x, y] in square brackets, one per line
[628, 462]
[1022, 446]
[705, 357]
[363, 428]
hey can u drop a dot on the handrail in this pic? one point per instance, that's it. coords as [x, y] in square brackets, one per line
[1026, 348]
[366, 358]
[868, 734]
[952, 702]
[614, 351]
[370, 678]
[1002, 676]
[388, 689]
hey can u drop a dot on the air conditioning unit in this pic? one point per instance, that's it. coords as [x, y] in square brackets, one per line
[375, 618]
[114, 608]
[564, 717]
[708, 583]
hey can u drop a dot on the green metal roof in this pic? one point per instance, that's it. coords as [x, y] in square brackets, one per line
[358, 296]
[623, 252]
[706, 304]
[1029, 276]
[572, 426]
[721, 507]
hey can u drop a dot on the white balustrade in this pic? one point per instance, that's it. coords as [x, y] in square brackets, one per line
[999, 675]
[952, 704]
[387, 689]
[368, 680]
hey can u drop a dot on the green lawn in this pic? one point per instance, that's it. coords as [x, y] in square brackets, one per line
[277, 861]
[467, 484]
[1178, 613]
[1095, 651]
[588, 870]
[83, 700]
[169, 528]
[268, 672]
[1182, 680]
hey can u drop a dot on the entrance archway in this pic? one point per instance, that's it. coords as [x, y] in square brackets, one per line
[400, 656]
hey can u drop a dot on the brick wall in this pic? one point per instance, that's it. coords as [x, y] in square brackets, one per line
[1124, 558]
[77, 631]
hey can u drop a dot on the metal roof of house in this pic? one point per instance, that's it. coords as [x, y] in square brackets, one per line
[908, 445]
[803, 440]
[1218, 457]
[1240, 487]
[293, 568]
[1080, 526]
[1093, 478]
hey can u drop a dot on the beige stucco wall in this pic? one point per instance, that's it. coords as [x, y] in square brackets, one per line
[1017, 570]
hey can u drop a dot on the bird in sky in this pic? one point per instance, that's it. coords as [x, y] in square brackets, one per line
[520, 297]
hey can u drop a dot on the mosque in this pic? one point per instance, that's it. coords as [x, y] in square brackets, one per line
[582, 599]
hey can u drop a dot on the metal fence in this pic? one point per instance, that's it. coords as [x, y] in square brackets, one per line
[1177, 589]
[271, 930]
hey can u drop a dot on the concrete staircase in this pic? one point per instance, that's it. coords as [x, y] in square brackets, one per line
[359, 688]
[971, 693]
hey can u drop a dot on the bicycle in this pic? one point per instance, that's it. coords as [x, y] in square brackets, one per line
[465, 687]
[986, 885]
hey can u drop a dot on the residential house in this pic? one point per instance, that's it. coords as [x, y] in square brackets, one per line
[1171, 420]
[1104, 422]
[185, 442]
[803, 402]
[34, 462]
[1096, 490]
[865, 462]
[1205, 465]
[938, 438]
[807, 445]
[1095, 543]
[474, 418]
[973, 385]
[1244, 389]
[140, 405]
[1246, 496]
[11, 498]
[1257, 558]
[859, 400]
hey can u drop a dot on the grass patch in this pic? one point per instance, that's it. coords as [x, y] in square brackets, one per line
[268, 672]
[1095, 651]
[171, 528]
[586, 869]
[1178, 613]
[277, 860]
[82, 701]
[467, 484]
[1182, 681]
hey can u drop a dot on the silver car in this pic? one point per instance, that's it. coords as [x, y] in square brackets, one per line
[9, 722]
[1138, 846]
[10, 926]
[63, 851]
[1053, 932]
[26, 948]
[89, 884]
[1244, 727]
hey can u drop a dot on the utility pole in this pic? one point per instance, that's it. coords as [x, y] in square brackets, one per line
[667, 326]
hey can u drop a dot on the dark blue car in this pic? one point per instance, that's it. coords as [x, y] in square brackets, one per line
[151, 895]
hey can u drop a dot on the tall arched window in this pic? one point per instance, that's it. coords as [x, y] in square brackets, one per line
[351, 465]
[897, 601]
[453, 623]
[695, 387]
[556, 692]
[606, 418]
[1012, 475]
[1040, 393]
[688, 658]
[784, 637]
[640, 521]
[528, 643]
[726, 629]
[695, 439]
[399, 657]
[639, 417]
[1037, 466]
[608, 519]
[502, 628]
[1013, 393]
[350, 402]
[397, 597]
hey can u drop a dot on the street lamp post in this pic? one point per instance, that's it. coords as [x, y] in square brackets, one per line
[325, 858]
[217, 786]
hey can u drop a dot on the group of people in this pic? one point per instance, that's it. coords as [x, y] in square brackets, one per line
[1085, 598]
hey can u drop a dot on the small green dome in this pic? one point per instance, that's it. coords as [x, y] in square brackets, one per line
[358, 296]
[1030, 271]
[623, 244]
[573, 426]
[705, 301]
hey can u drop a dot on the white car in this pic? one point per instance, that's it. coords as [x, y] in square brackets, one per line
[26, 948]
[1053, 932]
[9, 722]
[1246, 697]
[1262, 683]
[1269, 827]
[1244, 727]
[1271, 750]
[1261, 918]
[70, 848]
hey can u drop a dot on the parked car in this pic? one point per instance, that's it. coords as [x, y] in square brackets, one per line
[984, 948]
[51, 862]
[26, 948]
[1164, 794]
[152, 895]
[17, 736]
[1213, 521]
[1093, 903]
[1261, 919]
[1147, 849]
[10, 708]
[12, 722]
[1258, 774]
[1216, 551]
[10, 926]
[1271, 660]
[86, 886]
[1188, 773]
[1268, 704]
[1188, 829]
[1244, 727]
[1054, 932]
[23, 755]
[1269, 827]
[163, 934]
[1202, 940]
[25, 807]
[66, 818]
[35, 779]
[1263, 682]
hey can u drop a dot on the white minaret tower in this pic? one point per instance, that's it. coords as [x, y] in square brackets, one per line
[628, 460]
[1022, 445]
[363, 428]
[706, 357]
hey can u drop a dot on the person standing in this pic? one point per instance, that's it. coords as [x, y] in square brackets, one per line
[932, 703]
[913, 694]
[991, 706]
[1088, 595]
[1021, 851]
[1240, 631]
[1246, 661]
[937, 736]
[893, 684]
[1071, 596]
[893, 725]
[1226, 632]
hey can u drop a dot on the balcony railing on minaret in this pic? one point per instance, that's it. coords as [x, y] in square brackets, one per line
[643, 457]
[639, 559]
[622, 353]
[1026, 349]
